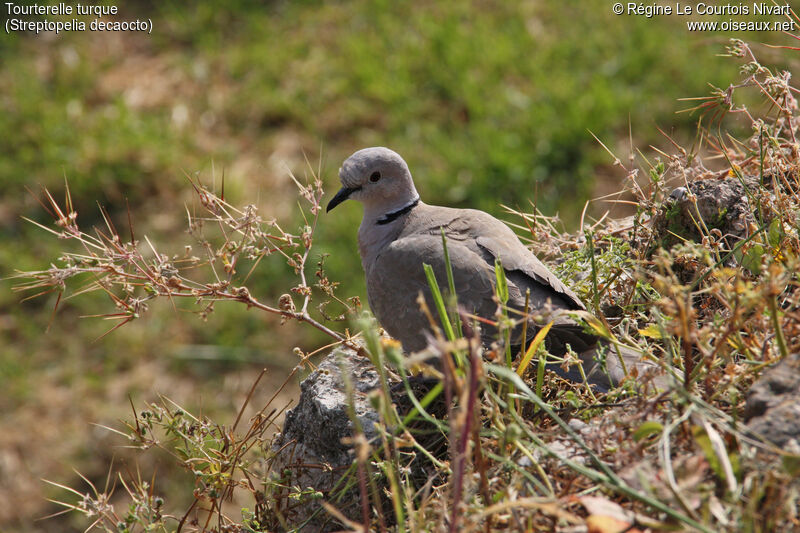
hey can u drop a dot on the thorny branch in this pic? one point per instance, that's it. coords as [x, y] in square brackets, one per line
[132, 274]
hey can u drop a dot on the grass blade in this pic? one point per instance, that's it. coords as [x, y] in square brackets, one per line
[439, 302]
[451, 284]
[533, 348]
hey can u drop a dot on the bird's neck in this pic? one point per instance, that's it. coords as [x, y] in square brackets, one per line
[383, 214]
[380, 226]
[391, 216]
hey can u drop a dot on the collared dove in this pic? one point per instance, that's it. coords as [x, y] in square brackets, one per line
[399, 233]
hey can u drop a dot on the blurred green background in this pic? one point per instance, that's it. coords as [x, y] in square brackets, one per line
[490, 102]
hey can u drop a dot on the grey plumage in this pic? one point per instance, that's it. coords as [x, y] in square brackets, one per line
[399, 233]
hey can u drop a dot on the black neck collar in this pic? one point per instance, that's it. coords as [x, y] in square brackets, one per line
[394, 215]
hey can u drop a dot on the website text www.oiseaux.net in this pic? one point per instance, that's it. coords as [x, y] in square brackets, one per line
[741, 25]
[786, 19]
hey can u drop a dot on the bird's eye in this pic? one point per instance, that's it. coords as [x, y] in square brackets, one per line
[375, 177]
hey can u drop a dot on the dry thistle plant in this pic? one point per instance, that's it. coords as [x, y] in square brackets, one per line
[133, 273]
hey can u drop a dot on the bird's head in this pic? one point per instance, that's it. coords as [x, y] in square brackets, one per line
[378, 178]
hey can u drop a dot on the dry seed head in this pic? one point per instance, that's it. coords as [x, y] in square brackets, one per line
[285, 303]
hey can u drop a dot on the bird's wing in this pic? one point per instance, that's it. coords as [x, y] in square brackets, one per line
[474, 240]
[491, 239]
[396, 278]
[495, 240]
[401, 263]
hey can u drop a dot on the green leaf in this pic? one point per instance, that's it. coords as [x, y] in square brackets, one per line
[775, 233]
[751, 259]
[722, 462]
[652, 331]
[702, 439]
[647, 430]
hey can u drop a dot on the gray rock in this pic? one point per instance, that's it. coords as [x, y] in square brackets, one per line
[722, 204]
[773, 403]
[321, 420]
[568, 450]
[679, 194]
[579, 425]
[310, 452]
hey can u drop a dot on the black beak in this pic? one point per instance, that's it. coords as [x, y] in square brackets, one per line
[343, 194]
